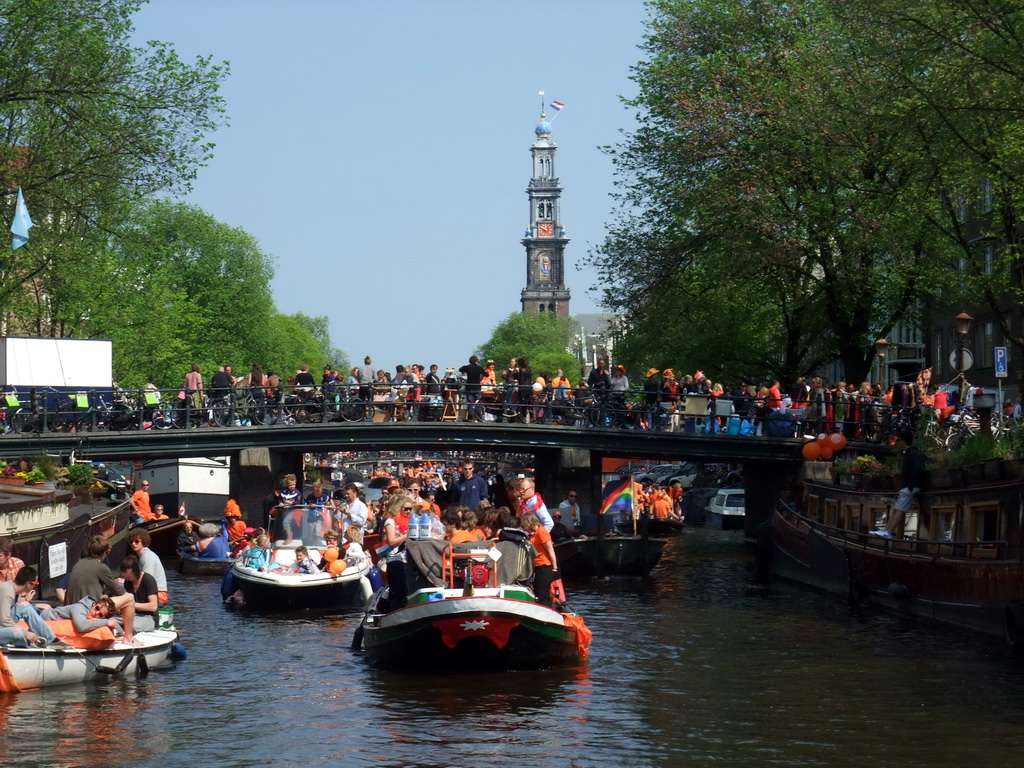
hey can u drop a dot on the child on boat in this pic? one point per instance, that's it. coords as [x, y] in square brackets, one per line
[303, 562]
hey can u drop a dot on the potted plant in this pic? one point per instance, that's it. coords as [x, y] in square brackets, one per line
[976, 450]
[9, 475]
[35, 476]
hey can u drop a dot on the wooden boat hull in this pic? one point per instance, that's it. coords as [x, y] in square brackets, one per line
[204, 566]
[583, 556]
[477, 632]
[974, 584]
[277, 591]
[163, 535]
[44, 667]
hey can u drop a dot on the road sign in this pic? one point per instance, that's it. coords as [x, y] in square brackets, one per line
[958, 363]
[1001, 362]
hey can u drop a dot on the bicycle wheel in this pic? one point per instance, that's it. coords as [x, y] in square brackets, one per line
[220, 412]
[958, 435]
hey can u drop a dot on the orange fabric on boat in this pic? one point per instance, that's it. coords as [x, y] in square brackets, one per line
[96, 640]
[583, 634]
[7, 682]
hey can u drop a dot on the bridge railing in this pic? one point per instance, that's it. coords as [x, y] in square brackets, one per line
[116, 409]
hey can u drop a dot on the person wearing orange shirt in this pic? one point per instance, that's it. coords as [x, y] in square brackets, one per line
[661, 504]
[468, 530]
[140, 502]
[545, 564]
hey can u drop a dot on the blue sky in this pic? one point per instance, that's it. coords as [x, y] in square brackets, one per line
[379, 151]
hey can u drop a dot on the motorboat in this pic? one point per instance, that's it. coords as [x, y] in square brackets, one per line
[23, 669]
[727, 509]
[278, 589]
[189, 562]
[469, 607]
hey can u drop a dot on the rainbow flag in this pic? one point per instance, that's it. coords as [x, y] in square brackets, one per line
[620, 498]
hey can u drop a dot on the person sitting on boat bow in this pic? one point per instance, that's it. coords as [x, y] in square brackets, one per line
[9, 564]
[12, 611]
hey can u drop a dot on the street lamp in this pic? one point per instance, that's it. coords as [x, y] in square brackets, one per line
[963, 325]
[881, 346]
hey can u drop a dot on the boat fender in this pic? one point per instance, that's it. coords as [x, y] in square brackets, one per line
[1014, 617]
[178, 652]
[376, 580]
[899, 591]
[367, 588]
[142, 665]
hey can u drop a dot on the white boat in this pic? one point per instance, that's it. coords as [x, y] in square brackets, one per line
[277, 589]
[29, 668]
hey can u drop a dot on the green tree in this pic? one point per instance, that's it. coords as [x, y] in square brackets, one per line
[768, 194]
[542, 338]
[958, 70]
[90, 127]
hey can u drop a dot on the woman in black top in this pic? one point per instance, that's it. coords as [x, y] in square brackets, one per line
[143, 587]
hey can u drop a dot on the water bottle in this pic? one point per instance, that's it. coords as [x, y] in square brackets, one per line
[416, 525]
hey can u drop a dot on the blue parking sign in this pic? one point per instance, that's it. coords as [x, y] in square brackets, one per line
[1001, 362]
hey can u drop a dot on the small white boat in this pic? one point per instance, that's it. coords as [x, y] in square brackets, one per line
[277, 589]
[29, 668]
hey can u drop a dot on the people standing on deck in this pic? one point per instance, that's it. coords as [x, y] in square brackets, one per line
[545, 564]
[912, 470]
[470, 489]
[396, 528]
[531, 502]
[354, 512]
[139, 502]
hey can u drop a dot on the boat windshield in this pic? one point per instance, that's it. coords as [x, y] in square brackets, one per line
[300, 524]
[734, 500]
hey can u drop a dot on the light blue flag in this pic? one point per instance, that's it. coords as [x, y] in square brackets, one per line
[22, 223]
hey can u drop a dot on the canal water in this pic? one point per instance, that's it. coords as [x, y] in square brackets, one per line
[704, 664]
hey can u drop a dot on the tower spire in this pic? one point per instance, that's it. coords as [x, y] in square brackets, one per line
[545, 238]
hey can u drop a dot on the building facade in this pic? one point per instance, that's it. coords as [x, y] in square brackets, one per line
[545, 238]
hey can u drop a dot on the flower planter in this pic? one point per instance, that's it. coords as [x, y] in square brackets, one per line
[12, 480]
[974, 474]
[993, 470]
[1013, 469]
[940, 478]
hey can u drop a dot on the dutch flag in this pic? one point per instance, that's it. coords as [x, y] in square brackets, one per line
[557, 106]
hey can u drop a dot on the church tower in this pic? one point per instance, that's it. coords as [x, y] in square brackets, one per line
[545, 240]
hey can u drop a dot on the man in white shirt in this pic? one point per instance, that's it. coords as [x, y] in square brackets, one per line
[570, 510]
[355, 511]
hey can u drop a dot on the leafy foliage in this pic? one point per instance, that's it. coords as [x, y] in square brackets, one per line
[541, 338]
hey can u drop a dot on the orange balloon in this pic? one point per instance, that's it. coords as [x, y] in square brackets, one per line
[821, 440]
[811, 451]
[337, 567]
[331, 554]
[837, 441]
[826, 453]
